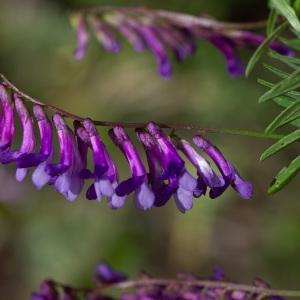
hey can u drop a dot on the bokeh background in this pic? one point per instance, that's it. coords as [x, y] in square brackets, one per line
[42, 235]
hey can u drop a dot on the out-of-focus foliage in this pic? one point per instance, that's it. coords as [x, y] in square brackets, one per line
[42, 235]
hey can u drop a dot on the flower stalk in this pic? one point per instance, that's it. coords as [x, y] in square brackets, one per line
[132, 125]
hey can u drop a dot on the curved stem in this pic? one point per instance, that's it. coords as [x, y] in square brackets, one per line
[228, 286]
[184, 19]
[178, 127]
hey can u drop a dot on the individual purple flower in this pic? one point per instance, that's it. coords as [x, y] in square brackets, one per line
[206, 174]
[83, 37]
[104, 35]
[181, 183]
[171, 161]
[28, 139]
[47, 291]
[225, 46]
[156, 47]
[138, 182]
[179, 40]
[7, 126]
[105, 173]
[130, 34]
[65, 175]
[229, 173]
[102, 185]
[105, 274]
[40, 159]
[251, 40]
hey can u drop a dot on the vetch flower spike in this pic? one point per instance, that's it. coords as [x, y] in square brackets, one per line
[146, 287]
[167, 176]
[160, 31]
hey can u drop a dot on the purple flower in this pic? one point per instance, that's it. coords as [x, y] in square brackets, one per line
[206, 175]
[171, 161]
[234, 64]
[229, 173]
[251, 40]
[7, 126]
[39, 160]
[130, 34]
[66, 174]
[28, 139]
[181, 184]
[104, 35]
[156, 47]
[105, 274]
[83, 37]
[138, 182]
[47, 292]
[179, 40]
[105, 173]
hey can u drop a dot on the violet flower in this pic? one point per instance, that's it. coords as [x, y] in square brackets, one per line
[66, 174]
[156, 46]
[47, 291]
[229, 173]
[104, 35]
[132, 36]
[181, 183]
[83, 37]
[138, 182]
[7, 126]
[28, 139]
[234, 64]
[105, 274]
[39, 160]
[206, 175]
[105, 172]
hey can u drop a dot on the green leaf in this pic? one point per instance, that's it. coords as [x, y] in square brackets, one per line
[292, 43]
[277, 72]
[272, 19]
[289, 61]
[281, 144]
[285, 176]
[292, 94]
[297, 5]
[284, 86]
[284, 117]
[288, 12]
[262, 48]
[284, 101]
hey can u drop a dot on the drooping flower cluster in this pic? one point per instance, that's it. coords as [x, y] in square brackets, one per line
[162, 32]
[184, 287]
[167, 174]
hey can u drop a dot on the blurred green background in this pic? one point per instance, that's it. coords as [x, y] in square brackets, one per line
[42, 235]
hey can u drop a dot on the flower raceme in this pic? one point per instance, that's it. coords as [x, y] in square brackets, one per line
[166, 175]
[185, 287]
[162, 32]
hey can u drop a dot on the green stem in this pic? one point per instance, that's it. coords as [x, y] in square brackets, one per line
[176, 127]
